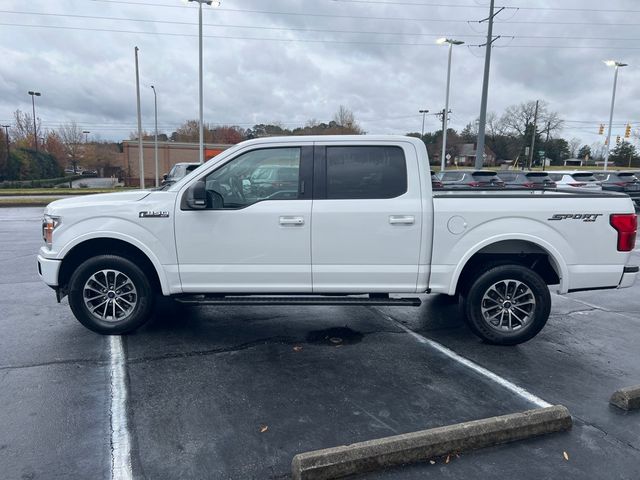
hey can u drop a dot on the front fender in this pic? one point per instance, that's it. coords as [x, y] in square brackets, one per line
[147, 240]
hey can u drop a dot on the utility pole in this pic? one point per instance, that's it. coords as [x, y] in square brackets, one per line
[533, 136]
[140, 153]
[485, 87]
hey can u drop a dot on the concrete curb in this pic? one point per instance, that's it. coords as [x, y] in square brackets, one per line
[626, 398]
[413, 447]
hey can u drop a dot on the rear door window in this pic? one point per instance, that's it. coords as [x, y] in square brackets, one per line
[365, 172]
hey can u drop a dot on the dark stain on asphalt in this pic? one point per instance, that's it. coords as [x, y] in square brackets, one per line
[334, 336]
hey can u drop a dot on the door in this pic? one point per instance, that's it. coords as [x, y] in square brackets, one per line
[254, 235]
[367, 219]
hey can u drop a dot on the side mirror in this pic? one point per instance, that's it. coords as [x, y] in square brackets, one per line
[197, 196]
[164, 177]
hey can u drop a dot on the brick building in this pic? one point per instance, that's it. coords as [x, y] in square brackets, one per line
[169, 153]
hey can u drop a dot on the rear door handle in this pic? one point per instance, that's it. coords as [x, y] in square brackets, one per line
[402, 219]
[291, 220]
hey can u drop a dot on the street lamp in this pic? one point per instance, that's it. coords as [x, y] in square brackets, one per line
[445, 114]
[6, 133]
[33, 105]
[217, 4]
[617, 65]
[155, 147]
[86, 135]
[423, 112]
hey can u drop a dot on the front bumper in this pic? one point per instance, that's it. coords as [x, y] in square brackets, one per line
[48, 270]
[628, 277]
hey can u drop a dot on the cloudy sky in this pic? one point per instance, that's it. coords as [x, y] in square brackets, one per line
[289, 61]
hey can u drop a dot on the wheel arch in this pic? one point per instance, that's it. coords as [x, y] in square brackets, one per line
[522, 249]
[88, 248]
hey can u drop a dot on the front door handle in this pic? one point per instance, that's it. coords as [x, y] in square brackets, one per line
[402, 219]
[291, 220]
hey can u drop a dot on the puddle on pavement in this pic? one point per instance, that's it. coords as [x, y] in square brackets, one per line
[334, 336]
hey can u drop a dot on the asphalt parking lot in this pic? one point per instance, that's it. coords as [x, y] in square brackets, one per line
[236, 392]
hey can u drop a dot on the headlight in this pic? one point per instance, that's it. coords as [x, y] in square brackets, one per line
[49, 224]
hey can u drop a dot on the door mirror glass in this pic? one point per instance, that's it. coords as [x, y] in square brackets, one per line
[197, 196]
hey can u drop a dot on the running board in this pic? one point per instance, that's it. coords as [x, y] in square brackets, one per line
[249, 300]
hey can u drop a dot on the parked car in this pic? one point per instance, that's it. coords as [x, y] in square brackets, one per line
[470, 179]
[572, 179]
[178, 171]
[363, 221]
[625, 182]
[272, 180]
[526, 180]
[435, 181]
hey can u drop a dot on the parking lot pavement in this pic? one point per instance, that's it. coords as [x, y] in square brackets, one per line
[235, 392]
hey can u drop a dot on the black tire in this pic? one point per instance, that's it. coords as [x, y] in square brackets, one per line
[525, 296]
[141, 296]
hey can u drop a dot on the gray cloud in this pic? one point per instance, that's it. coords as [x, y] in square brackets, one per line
[88, 76]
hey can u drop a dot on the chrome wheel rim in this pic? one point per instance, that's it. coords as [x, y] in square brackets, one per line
[508, 306]
[110, 296]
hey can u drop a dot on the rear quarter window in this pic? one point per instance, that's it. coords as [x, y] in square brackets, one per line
[366, 172]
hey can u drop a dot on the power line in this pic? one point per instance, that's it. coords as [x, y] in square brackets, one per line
[295, 14]
[262, 39]
[299, 40]
[315, 30]
[222, 25]
[510, 7]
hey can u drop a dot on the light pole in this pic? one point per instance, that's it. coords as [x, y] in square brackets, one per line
[140, 146]
[33, 105]
[617, 65]
[201, 135]
[423, 112]
[86, 136]
[155, 146]
[451, 42]
[6, 134]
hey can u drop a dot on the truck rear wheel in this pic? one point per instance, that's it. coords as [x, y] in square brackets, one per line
[507, 305]
[110, 295]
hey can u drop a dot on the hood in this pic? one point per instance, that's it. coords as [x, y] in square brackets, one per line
[97, 199]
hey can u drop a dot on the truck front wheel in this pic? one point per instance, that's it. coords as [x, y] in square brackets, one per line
[507, 305]
[110, 295]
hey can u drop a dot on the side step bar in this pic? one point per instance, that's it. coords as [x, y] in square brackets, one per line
[295, 300]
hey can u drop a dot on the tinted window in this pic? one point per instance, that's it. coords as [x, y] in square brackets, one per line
[584, 177]
[451, 176]
[267, 174]
[556, 177]
[508, 177]
[365, 172]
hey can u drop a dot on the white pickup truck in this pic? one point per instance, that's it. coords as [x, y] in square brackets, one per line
[349, 220]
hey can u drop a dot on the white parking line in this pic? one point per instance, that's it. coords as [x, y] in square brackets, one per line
[120, 439]
[503, 382]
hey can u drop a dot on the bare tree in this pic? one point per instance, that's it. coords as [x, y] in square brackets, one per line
[72, 139]
[22, 130]
[346, 120]
[519, 118]
[574, 146]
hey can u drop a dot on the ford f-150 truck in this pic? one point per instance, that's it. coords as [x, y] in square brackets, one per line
[349, 220]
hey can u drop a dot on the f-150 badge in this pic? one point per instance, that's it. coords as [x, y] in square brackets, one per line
[154, 214]
[585, 217]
